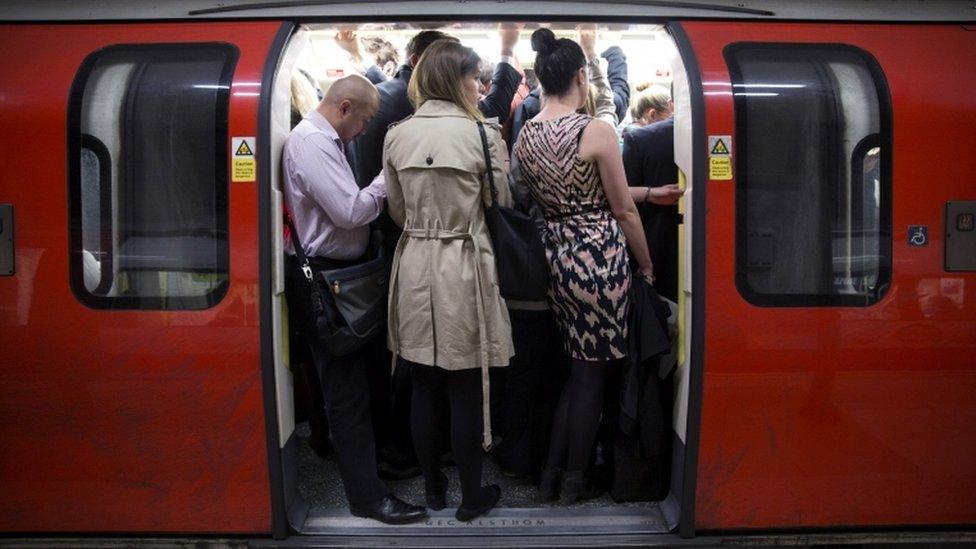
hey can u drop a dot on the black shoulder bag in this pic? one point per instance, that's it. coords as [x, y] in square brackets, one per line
[349, 304]
[520, 256]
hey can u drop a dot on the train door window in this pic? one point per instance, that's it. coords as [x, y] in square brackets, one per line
[813, 185]
[148, 176]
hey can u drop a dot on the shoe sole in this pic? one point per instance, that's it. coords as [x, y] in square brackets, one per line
[393, 522]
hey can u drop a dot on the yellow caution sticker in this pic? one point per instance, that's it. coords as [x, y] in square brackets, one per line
[720, 157]
[720, 168]
[243, 166]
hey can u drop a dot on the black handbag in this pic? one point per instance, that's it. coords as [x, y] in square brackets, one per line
[520, 257]
[349, 303]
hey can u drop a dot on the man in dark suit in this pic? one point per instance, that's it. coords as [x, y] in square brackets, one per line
[395, 106]
[649, 162]
[616, 74]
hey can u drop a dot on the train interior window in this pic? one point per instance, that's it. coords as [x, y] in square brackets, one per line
[148, 182]
[813, 185]
[313, 60]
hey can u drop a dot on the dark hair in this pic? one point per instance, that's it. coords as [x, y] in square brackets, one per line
[423, 39]
[556, 61]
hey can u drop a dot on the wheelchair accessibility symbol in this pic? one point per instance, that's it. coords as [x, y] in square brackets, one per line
[918, 235]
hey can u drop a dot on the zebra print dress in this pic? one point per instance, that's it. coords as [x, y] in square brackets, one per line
[585, 247]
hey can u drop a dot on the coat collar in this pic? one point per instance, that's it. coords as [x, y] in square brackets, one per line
[439, 107]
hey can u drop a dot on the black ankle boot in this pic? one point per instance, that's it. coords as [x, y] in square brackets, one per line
[489, 498]
[548, 484]
[437, 492]
[576, 487]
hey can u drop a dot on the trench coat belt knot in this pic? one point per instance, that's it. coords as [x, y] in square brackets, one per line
[437, 233]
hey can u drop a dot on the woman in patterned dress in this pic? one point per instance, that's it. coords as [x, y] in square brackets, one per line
[571, 164]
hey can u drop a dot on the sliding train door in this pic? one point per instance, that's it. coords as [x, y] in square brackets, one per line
[133, 398]
[836, 380]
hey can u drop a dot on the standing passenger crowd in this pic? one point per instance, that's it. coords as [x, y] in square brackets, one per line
[401, 152]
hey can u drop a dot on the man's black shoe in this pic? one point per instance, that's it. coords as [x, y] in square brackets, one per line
[391, 510]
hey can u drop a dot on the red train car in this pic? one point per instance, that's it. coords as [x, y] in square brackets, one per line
[826, 377]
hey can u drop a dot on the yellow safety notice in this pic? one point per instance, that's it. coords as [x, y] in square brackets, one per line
[243, 167]
[720, 168]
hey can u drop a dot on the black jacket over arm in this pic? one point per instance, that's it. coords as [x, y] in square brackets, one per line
[498, 102]
[649, 162]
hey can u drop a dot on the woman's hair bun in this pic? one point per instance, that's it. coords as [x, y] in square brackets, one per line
[543, 41]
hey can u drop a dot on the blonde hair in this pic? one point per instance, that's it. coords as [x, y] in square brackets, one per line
[303, 95]
[589, 104]
[440, 73]
[653, 97]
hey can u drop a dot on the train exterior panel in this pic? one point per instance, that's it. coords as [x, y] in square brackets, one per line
[123, 420]
[827, 416]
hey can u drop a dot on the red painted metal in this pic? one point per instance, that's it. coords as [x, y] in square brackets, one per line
[122, 421]
[820, 417]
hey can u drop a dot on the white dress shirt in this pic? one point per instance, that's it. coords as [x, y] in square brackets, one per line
[331, 213]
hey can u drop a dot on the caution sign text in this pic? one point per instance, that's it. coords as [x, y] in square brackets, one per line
[243, 166]
[720, 168]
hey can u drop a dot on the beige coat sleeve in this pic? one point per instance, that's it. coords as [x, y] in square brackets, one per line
[394, 192]
[605, 109]
[499, 164]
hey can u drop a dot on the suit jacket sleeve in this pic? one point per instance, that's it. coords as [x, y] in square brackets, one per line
[525, 111]
[375, 75]
[633, 163]
[498, 102]
[617, 74]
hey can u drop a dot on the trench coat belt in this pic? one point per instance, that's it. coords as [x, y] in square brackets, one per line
[436, 233]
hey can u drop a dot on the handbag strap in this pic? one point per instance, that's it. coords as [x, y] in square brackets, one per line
[299, 251]
[491, 171]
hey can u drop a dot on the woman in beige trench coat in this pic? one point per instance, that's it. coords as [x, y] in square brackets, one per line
[446, 316]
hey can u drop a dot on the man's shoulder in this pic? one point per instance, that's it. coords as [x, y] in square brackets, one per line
[651, 132]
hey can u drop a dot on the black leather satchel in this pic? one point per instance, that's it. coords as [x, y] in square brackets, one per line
[349, 303]
[520, 256]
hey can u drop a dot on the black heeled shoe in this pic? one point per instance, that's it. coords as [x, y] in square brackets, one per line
[437, 498]
[489, 496]
[548, 484]
[576, 487]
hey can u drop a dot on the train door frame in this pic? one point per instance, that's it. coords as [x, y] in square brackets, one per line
[289, 508]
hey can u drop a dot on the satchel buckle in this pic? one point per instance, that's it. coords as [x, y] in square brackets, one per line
[307, 269]
[335, 287]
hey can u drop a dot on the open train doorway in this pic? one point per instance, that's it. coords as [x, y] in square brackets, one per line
[647, 497]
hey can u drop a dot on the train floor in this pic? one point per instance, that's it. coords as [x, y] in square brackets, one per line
[518, 512]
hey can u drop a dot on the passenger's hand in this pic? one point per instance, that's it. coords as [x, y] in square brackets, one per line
[349, 42]
[509, 34]
[587, 40]
[666, 195]
[647, 273]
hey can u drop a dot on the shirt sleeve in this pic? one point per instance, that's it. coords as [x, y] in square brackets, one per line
[328, 180]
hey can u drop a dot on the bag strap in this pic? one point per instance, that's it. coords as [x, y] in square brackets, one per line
[299, 251]
[491, 171]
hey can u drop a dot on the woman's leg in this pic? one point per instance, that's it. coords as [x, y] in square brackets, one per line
[585, 389]
[464, 392]
[427, 424]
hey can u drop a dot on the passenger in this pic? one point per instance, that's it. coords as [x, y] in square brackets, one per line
[309, 405]
[574, 172]
[395, 105]
[331, 216]
[652, 104]
[447, 319]
[397, 459]
[371, 69]
[386, 55]
[648, 156]
[616, 72]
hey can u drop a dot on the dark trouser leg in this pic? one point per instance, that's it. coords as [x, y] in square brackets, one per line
[377, 359]
[428, 424]
[347, 406]
[464, 392]
[346, 396]
[521, 394]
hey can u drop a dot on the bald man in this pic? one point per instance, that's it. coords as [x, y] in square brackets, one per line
[331, 216]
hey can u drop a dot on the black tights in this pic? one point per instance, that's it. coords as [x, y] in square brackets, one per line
[436, 390]
[577, 415]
